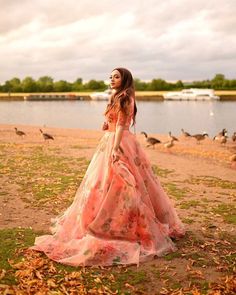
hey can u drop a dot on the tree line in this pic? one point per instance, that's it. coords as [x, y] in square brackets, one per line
[47, 84]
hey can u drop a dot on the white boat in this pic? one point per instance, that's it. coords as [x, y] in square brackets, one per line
[192, 94]
[105, 95]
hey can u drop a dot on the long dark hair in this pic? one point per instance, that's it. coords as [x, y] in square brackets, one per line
[120, 100]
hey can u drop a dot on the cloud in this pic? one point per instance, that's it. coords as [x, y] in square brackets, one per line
[69, 39]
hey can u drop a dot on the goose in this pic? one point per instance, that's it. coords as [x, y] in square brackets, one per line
[46, 136]
[186, 134]
[223, 139]
[200, 137]
[172, 137]
[150, 140]
[223, 132]
[169, 144]
[19, 132]
[220, 134]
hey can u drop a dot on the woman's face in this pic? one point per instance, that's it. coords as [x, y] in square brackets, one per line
[115, 80]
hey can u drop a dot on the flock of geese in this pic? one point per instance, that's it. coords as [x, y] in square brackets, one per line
[221, 137]
[45, 136]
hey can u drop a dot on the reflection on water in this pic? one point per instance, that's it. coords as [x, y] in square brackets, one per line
[152, 117]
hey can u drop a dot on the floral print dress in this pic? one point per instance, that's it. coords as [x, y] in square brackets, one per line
[120, 213]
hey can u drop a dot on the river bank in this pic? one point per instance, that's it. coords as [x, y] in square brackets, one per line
[225, 95]
[38, 180]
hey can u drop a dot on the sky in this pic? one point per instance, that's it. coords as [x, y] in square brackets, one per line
[169, 39]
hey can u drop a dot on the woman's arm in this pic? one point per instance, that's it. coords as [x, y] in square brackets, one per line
[115, 154]
[118, 135]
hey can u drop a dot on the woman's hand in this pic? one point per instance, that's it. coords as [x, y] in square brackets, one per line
[105, 126]
[115, 155]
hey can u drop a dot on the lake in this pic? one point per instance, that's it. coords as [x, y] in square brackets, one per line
[152, 117]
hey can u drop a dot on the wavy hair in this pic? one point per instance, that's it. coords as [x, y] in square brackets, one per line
[121, 99]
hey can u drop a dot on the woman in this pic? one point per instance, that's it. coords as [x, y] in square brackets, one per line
[120, 213]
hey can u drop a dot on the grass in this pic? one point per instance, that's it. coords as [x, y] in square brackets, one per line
[211, 181]
[189, 204]
[175, 285]
[132, 277]
[171, 256]
[224, 235]
[187, 220]
[80, 147]
[176, 192]
[205, 200]
[227, 211]
[43, 174]
[161, 171]
[12, 239]
[122, 279]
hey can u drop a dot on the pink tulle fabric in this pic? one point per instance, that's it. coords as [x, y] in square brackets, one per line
[120, 213]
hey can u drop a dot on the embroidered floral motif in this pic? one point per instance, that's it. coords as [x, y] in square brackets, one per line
[137, 161]
[102, 144]
[106, 225]
[110, 118]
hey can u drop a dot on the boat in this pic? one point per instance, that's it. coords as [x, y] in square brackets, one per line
[105, 95]
[192, 94]
[52, 97]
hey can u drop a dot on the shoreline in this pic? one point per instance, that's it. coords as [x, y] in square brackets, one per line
[209, 151]
[225, 95]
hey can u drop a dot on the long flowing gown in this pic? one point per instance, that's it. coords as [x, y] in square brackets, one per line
[120, 213]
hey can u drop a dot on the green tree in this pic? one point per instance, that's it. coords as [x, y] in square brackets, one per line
[219, 77]
[159, 84]
[45, 84]
[179, 85]
[217, 81]
[206, 84]
[232, 84]
[29, 85]
[95, 85]
[6, 86]
[62, 86]
[226, 84]
[78, 85]
[14, 85]
[140, 85]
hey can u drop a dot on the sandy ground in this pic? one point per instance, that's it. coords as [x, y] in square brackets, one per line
[204, 171]
[186, 158]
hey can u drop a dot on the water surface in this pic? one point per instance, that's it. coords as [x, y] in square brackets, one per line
[152, 117]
